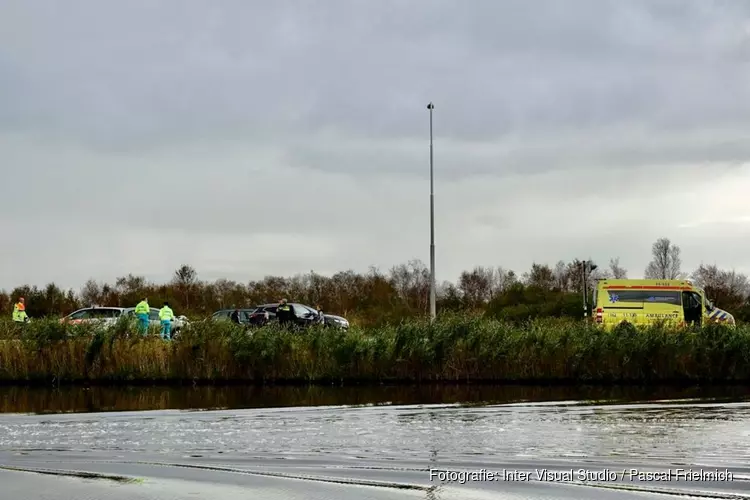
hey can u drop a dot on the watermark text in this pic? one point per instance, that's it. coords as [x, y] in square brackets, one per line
[580, 475]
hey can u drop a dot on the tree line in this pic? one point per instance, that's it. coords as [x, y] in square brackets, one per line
[377, 297]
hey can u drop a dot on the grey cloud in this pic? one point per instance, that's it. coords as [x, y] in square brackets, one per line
[265, 119]
[627, 148]
[178, 71]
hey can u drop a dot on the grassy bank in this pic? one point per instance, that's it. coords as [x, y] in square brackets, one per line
[455, 348]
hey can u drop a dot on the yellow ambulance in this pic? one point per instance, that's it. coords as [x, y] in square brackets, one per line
[643, 302]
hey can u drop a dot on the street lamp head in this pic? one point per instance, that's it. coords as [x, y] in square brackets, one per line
[430, 106]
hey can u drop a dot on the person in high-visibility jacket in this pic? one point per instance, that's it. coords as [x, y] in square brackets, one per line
[166, 315]
[141, 312]
[284, 312]
[19, 312]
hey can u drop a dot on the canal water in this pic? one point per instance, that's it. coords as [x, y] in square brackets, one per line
[448, 442]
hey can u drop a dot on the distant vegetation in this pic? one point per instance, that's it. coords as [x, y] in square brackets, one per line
[378, 298]
[458, 347]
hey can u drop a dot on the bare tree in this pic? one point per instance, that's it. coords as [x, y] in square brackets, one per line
[185, 275]
[727, 288]
[708, 276]
[185, 278]
[482, 284]
[130, 284]
[412, 283]
[666, 261]
[541, 276]
[222, 289]
[562, 276]
[506, 279]
[449, 296]
[91, 292]
[575, 275]
[617, 272]
[500, 280]
[737, 283]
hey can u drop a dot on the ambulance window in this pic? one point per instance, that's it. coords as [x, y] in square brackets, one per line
[696, 300]
[653, 296]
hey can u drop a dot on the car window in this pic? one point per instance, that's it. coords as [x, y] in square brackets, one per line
[153, 314]
[221, 314]
[103, 313]
[80, 314]
[300, 311]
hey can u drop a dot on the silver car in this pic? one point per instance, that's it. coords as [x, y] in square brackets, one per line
[110, 315]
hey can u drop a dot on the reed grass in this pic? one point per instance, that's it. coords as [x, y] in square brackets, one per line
[454, 348]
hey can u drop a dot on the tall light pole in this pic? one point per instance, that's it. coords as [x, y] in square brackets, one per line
[433, 307]
[584, 288]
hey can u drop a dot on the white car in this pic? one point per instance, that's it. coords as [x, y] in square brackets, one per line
[110, 316]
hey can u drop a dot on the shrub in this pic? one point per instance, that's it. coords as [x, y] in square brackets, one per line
[456, 347]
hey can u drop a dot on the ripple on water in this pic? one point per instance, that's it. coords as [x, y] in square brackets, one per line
[684, 431]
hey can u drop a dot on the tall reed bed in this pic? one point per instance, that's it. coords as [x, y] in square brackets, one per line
[454, 348]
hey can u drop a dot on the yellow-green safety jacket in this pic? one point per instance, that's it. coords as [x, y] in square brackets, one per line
[142, 308]
[19, 313]
[166, 314]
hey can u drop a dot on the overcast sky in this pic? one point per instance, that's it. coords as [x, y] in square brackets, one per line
[249, 138]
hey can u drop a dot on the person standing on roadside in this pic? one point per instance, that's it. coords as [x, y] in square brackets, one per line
[141, 312]
[283, 312]
[166, 315]
[235, 316]
[321, 318]
[19, 311]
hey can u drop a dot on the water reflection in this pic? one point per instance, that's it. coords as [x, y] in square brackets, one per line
[65, 399]
[396, 444]
[499, 432]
